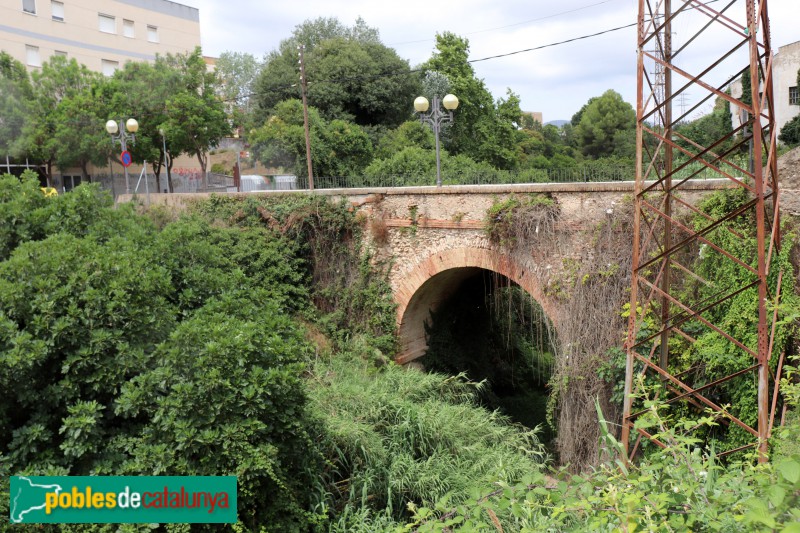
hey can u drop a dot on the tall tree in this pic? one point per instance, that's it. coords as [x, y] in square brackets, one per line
[177, 95]
[141, 90]
[351, 74]
[196, 119]
[482, 129]
[237, 73]
[15, 97]
[79, 138]
[338, 148]
[603, 125]
[49, 125]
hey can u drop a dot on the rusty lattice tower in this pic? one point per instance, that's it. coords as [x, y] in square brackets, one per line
[664, 243]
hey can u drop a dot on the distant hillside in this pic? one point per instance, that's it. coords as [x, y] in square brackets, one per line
[557, 123]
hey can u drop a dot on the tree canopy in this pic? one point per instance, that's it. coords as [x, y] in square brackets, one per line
[351, 74]
[605, 125]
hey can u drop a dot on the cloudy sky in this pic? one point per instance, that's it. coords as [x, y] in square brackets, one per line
[555, 80]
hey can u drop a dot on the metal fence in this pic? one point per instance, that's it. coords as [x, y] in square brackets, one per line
[182, 182]
[580, 174]
[192, 180]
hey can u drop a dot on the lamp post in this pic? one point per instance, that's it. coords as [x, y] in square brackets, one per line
[436, 117]
[118, 135]
[166, 167]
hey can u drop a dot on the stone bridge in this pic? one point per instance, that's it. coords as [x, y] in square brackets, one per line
[434, 239]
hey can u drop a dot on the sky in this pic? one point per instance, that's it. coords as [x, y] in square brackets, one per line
[555, 80]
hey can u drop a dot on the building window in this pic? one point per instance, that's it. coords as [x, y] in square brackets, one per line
[29, 6]
[32, 56]
[152, 34]
[70, 182]
[108, 67]
[794, 96]
[128, 29]
[108, 24]
[57, 9]
[60, 53]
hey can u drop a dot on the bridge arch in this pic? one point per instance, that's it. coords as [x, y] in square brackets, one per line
[437, 277]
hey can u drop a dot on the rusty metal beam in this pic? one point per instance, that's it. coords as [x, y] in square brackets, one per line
[660, 230]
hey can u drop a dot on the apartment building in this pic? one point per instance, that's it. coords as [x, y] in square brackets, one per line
[101, 34]
[785, 66]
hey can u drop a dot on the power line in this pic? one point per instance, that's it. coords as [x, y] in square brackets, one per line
[553, 44]
[511, 25]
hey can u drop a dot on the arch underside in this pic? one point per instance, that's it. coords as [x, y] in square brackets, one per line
[435, 279]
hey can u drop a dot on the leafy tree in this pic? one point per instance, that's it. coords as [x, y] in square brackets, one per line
[141, 90]
[177, 95]
[237, 73]
[351, 74]
[482, 129]
[195, 117]
[603, 125]
[406, 135]
[58, 79]
[79, 137]
[338, 148]
[15, 96]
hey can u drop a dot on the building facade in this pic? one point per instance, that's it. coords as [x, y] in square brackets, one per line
[101, 34]
[785, 66]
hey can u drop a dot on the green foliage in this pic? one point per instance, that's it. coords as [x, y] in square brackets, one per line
[675, 489]
[747, 87]
[603, 125]
[483, 129]
[355, 58]
[417, 166]
[15, 95]
[27, 215]
[398, 437]
[790, 132]
[712, 356]
[225, 397]
[338, 148]
[708, 129]
[351, 292]
[408, 134]
[195, 117]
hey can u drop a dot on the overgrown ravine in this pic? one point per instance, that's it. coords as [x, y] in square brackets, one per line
[492, 330]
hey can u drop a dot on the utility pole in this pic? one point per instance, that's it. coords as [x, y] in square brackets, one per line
[304, 89]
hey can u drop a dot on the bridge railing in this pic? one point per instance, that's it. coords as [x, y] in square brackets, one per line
[577, 174]
[559, 175]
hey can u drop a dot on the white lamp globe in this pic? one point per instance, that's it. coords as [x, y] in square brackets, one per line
[132, 126]
[111, 127]
[450, 102]
[421, 104]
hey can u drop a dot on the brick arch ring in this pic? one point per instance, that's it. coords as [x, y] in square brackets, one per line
[437, 277]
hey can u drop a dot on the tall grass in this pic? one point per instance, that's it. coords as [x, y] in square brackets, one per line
[396, 436]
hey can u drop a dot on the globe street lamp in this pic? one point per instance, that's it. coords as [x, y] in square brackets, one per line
[436, 117]
[118, 135]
